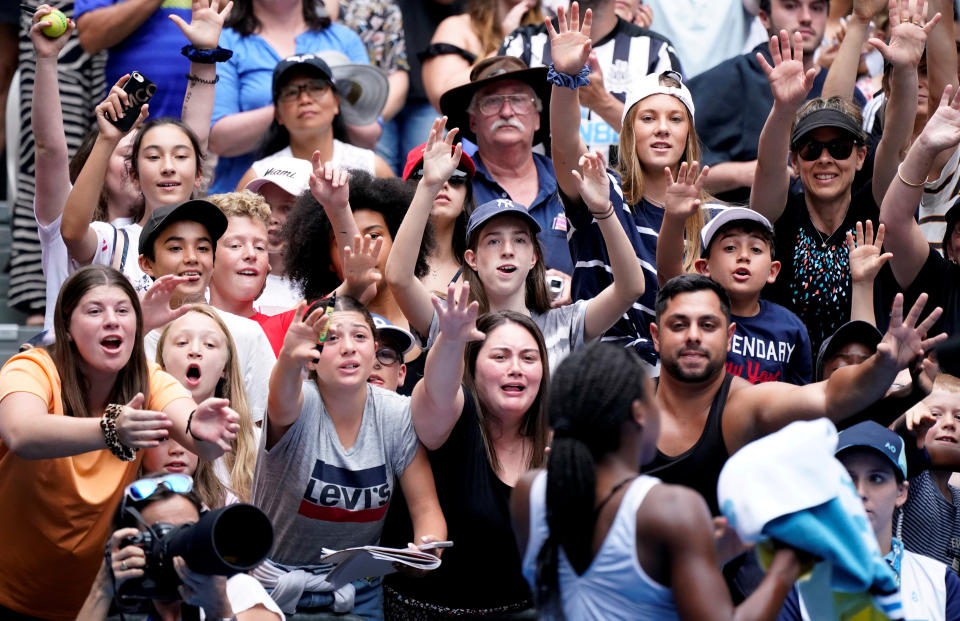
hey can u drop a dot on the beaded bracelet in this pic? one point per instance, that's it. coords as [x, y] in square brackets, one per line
[572, 82]
[195, 79]
[108, 424]
[206, 57]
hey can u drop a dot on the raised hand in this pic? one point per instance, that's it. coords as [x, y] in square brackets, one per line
[216, 422]
[905, 338]
[441, 157]
[360, 267]
[942, 130]
[457, 320]
[138, 428]
[683, 193]
[300, 342]
[908, 33]
[865, 254]
[206, 22]
[44, 46]
[156, 302]
[593, 184]
[329, 184]
[570, 43]
[112, 107]
[788, 81]
[644, 16]
[511, 21]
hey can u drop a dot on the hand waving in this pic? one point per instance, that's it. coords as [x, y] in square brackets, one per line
[42, 44]
[138, 428]
[865, 254]
[329, 184]
[214, 421]
[440, 157]
[908, 33]
[156, 302]
[593, 184]
[683, 194]
[206, 22]
[570, 45]
[112, 107]
[300, 342]
[360, 272]
[457, 319]
[788, 81]
[905, 338]
[942, 130]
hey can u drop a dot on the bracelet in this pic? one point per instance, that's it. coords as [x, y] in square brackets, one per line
[108, 424]
[190, 420]
[907, 183]
[572, 82]
[195, 79]
[604, 215]
[206, 57]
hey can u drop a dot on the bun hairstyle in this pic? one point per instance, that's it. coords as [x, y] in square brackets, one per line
[591, 396]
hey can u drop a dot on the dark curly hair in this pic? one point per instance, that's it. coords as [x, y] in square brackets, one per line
[309, 236]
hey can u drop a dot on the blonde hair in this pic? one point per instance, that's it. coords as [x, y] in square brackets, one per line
[243, 203]
[483, 21]
[944, 382]
[631, 173]
[239, 461]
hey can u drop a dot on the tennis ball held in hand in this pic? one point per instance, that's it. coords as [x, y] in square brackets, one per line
[58, 23]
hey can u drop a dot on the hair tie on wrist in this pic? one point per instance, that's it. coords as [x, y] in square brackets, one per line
[189, 421]
[108, 424]
[573, 82]
[206, 57]
[609, 211]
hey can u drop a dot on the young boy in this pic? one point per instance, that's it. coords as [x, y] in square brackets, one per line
[393, 343]
[770, 343]
[874, 457]
[181, 240]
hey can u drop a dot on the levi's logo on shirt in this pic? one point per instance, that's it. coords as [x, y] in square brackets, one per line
[336, 494]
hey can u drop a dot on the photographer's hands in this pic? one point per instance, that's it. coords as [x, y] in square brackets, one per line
[204, 591]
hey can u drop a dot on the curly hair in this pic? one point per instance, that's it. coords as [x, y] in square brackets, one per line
[243, 204]
[308, 261]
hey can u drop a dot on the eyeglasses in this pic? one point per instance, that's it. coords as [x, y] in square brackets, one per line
[491, 104]
[145, 488]
[839, 149]
[388, 356]
[459, 177]
[314, 88]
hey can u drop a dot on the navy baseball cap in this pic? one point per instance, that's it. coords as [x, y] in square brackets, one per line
[855, 331]
[196, 210]
[498, 207]
[869, 434]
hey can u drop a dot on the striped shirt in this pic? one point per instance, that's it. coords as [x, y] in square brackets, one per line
[931, 523]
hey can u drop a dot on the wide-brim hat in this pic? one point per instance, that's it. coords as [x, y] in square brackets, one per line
[454, 102]
[195, 210]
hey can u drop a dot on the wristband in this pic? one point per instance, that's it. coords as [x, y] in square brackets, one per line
[605, 214]
[907, 183]
[206, 57]
[108, 424]
[195, 79]
[572, 82]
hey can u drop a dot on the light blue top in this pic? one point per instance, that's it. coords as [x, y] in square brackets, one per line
[246, 82]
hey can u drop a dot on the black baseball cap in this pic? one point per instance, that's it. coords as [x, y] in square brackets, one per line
[826, 117]
[311, 62]
[204, 212]
[856, 331]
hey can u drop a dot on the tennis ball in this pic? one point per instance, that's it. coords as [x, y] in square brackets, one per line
[58, 23]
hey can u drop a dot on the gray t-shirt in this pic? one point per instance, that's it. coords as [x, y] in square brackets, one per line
[319, 494]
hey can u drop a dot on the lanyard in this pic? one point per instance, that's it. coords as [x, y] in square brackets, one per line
[895, 556]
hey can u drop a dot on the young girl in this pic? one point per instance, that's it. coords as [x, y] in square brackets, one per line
[198, 350]
[658, 133]
[165, 158]
[480, 412]
[333, 451]
[504, 262]
[645, 549]
[61, 409]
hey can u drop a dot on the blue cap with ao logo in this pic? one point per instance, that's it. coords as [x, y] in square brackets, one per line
[869, 434]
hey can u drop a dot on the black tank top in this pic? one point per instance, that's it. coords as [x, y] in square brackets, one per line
[699, 466]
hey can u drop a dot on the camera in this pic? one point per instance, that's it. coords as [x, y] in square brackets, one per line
[223, 542]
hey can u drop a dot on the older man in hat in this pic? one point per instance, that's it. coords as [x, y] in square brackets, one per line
[505, 116]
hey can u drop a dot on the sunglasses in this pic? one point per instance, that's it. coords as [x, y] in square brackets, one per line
[145, 488]
[388, 356]
[839, 149]
[459, 177]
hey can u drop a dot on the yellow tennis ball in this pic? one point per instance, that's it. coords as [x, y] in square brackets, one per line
[58, 23]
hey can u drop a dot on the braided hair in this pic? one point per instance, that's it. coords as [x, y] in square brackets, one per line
[591, 396]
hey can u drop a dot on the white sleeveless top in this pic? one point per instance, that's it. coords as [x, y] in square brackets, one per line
[614, 585]
[345, 156]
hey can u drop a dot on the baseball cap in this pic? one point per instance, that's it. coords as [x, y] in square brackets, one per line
[726, 216]
[650, 85]
[856, 331]
[304, 61]
[290, 174]
[204, 212]
[498, 207]
[400, 337]
[825, 117]
[869, 434]
[415, 159]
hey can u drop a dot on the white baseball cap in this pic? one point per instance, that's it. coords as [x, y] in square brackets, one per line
[650, 85]
[290, 174]
[725, 216]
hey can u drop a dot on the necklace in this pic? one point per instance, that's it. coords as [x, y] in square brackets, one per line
[816, 229]
[606, 499]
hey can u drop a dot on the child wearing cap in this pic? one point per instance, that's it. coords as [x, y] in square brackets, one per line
[770, 343]
[393, 343]
[180, 240]
[874, 457]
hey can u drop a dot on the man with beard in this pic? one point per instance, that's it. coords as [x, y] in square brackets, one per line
[708, 414]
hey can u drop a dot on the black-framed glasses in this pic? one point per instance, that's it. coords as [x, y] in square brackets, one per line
[315, 88]
[839, 149]
[388, 356]
[459, 177]
[491, 104]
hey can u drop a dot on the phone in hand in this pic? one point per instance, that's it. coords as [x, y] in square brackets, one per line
[555, 286]
[139, 90]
